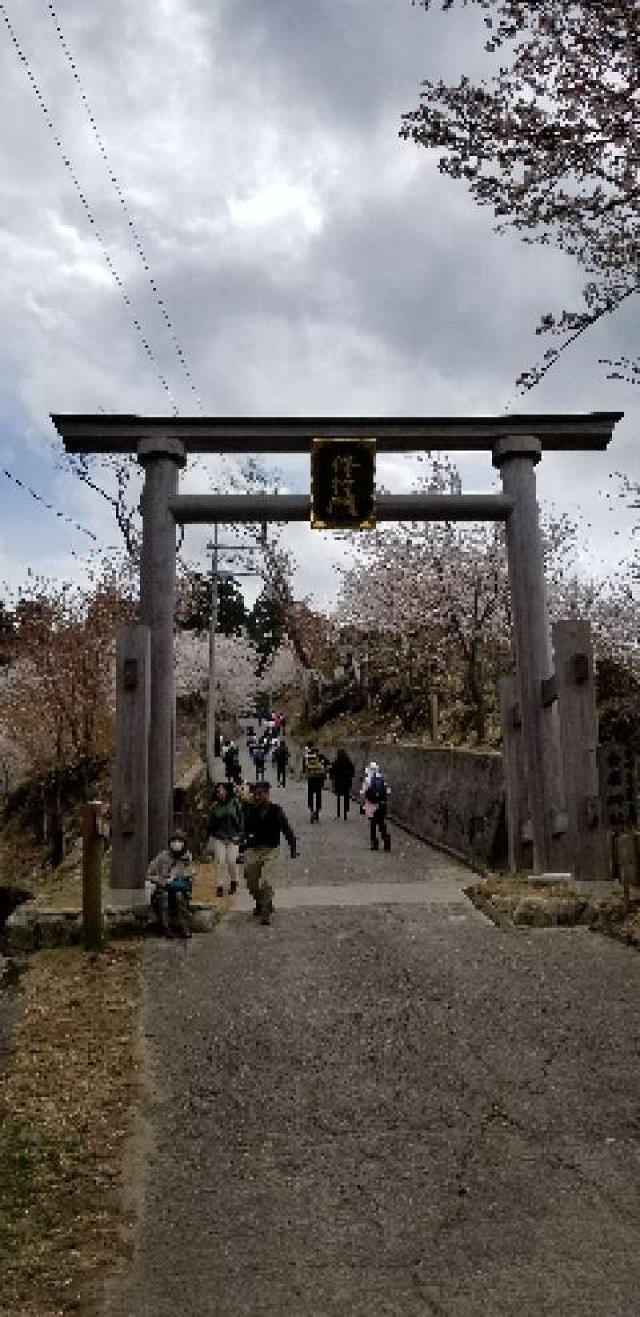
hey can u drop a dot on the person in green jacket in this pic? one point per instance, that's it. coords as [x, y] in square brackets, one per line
[224, 833]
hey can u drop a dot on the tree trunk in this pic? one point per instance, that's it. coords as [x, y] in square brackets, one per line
[476, 693]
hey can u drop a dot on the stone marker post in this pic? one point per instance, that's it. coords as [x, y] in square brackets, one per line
[516, 459]
[129, 830]
[161, 457]
[92, 851]
[588, 843]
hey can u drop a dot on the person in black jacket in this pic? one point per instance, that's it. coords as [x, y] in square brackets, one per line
[265, 822]
[342, 775]
[281, 759]
[231, 761]
[314, 770]
[259, 756]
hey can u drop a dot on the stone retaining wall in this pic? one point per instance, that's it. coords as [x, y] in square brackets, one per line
[32, 926]
[451, 798]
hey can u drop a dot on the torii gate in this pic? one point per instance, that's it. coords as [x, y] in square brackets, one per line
[161, 445]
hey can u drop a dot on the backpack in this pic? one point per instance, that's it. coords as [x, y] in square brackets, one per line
[314, 766]
[376, 791]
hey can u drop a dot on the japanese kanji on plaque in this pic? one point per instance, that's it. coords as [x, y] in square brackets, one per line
[343, 477]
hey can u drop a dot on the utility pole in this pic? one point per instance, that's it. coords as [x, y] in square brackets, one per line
[215, 549]
[211, 701]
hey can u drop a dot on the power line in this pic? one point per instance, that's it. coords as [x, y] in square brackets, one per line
[233, 474]
[87, 209]
[91, 218]
[137, 242]
[63, 516]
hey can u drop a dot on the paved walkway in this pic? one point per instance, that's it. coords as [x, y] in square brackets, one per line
[387, 1105]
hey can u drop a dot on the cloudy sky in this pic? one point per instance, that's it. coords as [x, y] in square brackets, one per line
[308, 260]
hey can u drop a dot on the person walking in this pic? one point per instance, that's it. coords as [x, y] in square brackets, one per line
[259, 756]
[375, 796]
[314, 773]
[342, 775]
[265, 823]
[281, 759]
[231, 761]
[224, 833]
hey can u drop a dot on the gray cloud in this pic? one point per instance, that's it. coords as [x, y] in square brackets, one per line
[312, 262]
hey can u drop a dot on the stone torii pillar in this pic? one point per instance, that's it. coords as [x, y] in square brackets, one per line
[161, 456]
[516, 459]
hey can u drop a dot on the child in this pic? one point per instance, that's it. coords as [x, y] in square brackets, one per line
[375, 795]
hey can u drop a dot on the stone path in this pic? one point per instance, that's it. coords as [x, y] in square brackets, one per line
[383, 1104]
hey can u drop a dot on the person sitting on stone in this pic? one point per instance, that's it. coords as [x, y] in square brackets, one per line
[171, 872]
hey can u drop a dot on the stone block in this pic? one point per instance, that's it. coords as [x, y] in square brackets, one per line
[549, 878]
[31, 927]
[545, 911]
[504, 904]
[58, 928]
[202, 920]
[18, 929]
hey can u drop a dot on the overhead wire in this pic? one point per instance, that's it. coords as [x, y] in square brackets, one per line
[87, 209]
[63, 516]
[67, 162]
[135, 236]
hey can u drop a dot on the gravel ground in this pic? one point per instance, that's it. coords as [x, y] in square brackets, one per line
[388, 1109]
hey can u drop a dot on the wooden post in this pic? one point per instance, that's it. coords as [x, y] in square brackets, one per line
[434, 712]
[129, 834]
[516, 459]
[587, 842]
[92, 850]
[161, 457]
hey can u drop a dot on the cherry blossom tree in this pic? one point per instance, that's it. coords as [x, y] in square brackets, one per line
[283, 672]
[549, 142]
[57, 695]
[57, 700]
[236, 669]
[431, 607]
[434, 604]
[309, 631]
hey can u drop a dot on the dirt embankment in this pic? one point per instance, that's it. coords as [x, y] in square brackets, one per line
[66, 1097]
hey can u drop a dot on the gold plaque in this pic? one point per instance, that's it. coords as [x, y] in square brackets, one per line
[343, 484]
